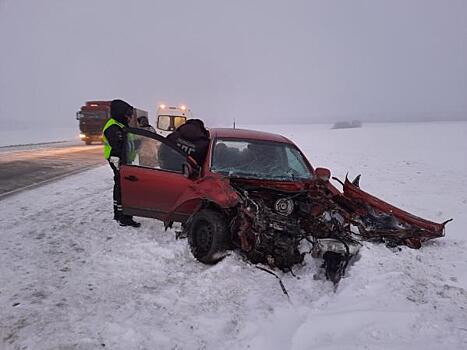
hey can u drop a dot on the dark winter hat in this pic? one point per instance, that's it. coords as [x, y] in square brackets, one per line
[198, 122]
[119, 109]
[193, 130]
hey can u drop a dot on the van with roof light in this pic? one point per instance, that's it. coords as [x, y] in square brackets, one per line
[169, 118]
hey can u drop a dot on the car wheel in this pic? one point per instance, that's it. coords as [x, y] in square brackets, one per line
[208, 236]
[87, 142]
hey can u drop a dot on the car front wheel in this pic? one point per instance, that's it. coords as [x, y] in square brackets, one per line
[208, 236]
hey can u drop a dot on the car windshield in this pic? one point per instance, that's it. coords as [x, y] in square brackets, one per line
[258, 160]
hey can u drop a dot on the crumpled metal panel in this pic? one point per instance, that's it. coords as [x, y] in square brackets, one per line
[376, 218]
[214, 188]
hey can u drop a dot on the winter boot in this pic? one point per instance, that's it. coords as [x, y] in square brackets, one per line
[117, 211]
[128, 221]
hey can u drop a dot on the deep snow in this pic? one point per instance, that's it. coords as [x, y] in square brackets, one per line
[70, 278]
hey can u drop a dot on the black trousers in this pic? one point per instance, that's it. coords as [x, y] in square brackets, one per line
[117, 195]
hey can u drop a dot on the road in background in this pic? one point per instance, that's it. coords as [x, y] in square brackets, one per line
[28, 166]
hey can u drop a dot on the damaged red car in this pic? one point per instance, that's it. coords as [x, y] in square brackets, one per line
[257, 192]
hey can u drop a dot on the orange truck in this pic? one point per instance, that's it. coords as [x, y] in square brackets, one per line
[93, 116]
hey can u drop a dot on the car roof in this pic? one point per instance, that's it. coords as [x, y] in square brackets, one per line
[247, 134]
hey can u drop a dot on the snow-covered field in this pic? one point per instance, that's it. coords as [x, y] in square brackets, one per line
[71, 278]
[27, 136]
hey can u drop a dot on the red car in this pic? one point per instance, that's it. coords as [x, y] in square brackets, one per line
[257, 191]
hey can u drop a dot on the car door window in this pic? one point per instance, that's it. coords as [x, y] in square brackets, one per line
[150, 151]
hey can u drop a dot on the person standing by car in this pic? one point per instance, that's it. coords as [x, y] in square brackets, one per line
[120, 112]
[143, 123]
[146, 148]
[192, 138]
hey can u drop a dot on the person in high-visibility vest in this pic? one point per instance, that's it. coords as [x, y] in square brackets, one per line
[120, 112]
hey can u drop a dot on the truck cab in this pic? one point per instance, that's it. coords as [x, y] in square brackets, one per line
[169, 118]
[92, 118]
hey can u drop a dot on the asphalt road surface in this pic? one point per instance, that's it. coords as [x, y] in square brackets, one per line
[24, 167]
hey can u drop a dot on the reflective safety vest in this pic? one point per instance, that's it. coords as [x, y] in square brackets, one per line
[107, 147]
[131, 155]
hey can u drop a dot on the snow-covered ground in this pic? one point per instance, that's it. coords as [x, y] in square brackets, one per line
[71, 278]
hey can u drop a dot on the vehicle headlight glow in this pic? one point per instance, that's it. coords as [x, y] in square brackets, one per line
[82, 136]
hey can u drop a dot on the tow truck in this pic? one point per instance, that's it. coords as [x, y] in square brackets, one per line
[169, 118]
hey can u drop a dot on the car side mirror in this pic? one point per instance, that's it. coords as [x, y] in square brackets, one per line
[323, 174]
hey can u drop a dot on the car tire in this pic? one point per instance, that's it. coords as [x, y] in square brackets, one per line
[87, 142]
[208, 236]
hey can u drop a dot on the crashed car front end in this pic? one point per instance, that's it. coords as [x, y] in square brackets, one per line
[272, 224]
[279, 209]
[278, 227]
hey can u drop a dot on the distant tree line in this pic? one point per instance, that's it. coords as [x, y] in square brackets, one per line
[347, 125]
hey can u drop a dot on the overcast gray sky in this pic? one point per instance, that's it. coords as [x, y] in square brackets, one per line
[256, 61]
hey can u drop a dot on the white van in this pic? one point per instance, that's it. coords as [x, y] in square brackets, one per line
[169, 118]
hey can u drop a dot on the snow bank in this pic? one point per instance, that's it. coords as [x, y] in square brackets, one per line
[71, 278]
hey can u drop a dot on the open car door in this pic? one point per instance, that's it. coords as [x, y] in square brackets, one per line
[151, 176]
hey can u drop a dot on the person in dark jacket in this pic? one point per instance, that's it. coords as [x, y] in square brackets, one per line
[120, 112]
[192, 138]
